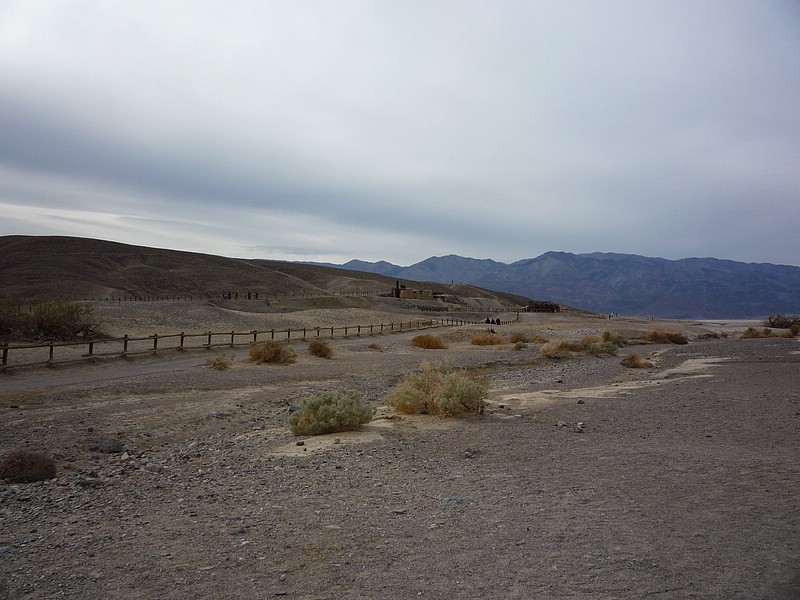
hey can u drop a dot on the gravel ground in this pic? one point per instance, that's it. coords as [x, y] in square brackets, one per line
[178, 481]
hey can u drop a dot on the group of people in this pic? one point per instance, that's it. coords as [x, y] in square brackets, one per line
[492, 321]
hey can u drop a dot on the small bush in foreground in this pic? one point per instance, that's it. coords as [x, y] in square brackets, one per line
[429, 342]
[753, 333]
[487, 339]
[320, 348]
[221, 362]
[331, 412]
[25, 466]
[272, 352]
[438, 390]
[659, 336]
[635, 361]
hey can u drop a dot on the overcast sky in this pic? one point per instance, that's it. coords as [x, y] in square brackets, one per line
[398, 130]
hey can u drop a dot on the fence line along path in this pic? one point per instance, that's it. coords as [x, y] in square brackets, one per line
[51, 353]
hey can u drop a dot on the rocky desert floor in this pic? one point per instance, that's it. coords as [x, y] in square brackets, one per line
[177, 481]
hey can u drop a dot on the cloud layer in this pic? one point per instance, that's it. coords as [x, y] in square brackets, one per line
[400, 130]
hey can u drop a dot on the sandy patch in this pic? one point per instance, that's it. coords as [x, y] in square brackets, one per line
[695, 367]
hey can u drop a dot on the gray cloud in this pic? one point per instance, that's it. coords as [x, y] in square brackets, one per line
[397, 131]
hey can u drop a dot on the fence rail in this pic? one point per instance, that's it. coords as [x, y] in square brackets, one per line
[52, 353]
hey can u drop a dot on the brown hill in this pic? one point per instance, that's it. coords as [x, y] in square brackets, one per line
[55, 267]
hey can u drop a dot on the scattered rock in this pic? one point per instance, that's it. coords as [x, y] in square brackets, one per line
[110, 446]
[301, 443]
[579, 427]
[561, 424]
[469, 453]
[153, 468]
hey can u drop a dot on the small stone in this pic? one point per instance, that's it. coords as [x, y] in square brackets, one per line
[153, 468]
[581, 401]
[469, 453]
[301, 443]
[579, 427]
[337, 440]
[561, 424]
[125, 456]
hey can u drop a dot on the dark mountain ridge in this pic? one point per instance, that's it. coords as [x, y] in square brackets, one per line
[61, 267]
[629, 284]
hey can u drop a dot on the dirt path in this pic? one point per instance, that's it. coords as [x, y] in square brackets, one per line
[682, 484]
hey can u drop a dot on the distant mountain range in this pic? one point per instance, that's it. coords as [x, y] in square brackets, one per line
[621, 283]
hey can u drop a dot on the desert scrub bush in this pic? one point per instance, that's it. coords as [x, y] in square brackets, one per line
[659, 336]
[320, 348]
[752, 333]
[556, 349]
[438, 390]
[272, 352]
[221, 362]
[782, 321]
[520, 346]
[428, 341]
[602, 348]
[487, 339]
[590, 344]
[375, 346]
[25, 466]
[634, 360]
[53, 320]
[617, 339]
[331, 412]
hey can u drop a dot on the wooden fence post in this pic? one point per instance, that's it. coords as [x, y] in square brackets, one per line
[183, 335]
[155, 342]
[50, 360]
[209, 340]
[232, 338]
[125, 344]
[5, 354]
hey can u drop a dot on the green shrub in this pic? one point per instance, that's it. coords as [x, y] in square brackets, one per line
[429, 342]
[320, 348]
[487, 339]
[438, 390]
[330, 412]
[635, 361]
[25, 466]
[602, 349]
[272, 352]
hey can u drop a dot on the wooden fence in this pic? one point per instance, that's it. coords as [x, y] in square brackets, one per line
[51, 353]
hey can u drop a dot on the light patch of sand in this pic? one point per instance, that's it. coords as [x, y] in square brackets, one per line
[695, 367]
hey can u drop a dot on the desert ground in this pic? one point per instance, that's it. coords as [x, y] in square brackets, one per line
[177, 481]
